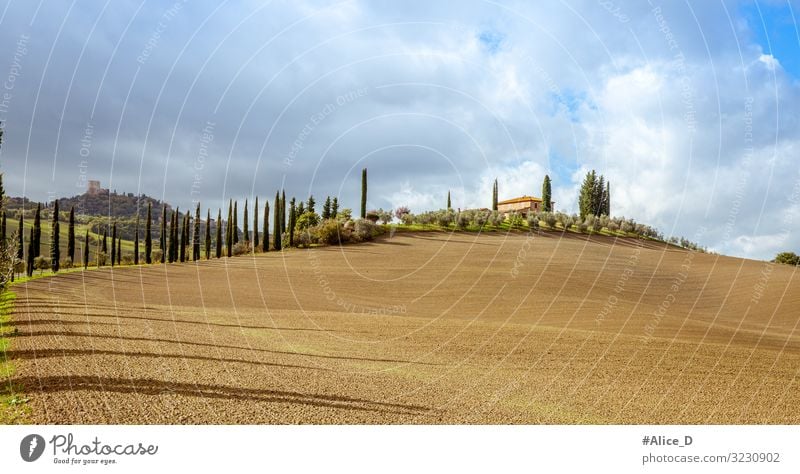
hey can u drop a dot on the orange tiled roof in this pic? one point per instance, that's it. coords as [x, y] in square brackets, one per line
[520, 199]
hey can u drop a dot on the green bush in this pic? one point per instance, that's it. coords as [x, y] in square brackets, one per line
[788, 258]
[306, 220]
[331, 232]
[243, 247]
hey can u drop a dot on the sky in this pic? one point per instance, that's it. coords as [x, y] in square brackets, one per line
[689, 108]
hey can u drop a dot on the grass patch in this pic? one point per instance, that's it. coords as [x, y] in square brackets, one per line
[14, 407]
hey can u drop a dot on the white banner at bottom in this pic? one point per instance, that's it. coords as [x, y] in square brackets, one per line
[400, 449]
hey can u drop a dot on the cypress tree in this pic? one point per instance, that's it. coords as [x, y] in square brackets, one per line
[136, 241]
[105, 241]
[148, 238]
[326, 208]
[173, 236]
[162, 240]
[276, 234]
[21, 237]
[37, 230]
[246, 223]
[546, 194]
[55, 240]
[587, 193]
[208, 235]
[291, 223]
[283, 211]
[449, 206]
[494, 196]
[235, 222]
[255, 225]
[219, 233]
[311, 204]
[184, 237]
[29, 264]
[598, 199]
[300, 208]
[608, 198]
[364, 193]
[265, 237]
[196, 236]
[114, 244]
[119, 250]
[86, 250]
[228, 234]
[335, 208]
[71, 235]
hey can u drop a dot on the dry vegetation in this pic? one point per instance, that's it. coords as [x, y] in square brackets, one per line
[470, 329]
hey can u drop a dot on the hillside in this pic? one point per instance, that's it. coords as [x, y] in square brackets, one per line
[418, 328]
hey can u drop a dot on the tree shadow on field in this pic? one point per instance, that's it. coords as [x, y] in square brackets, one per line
[66, 383]
[35, 354]
[27, 309]
[208, 344]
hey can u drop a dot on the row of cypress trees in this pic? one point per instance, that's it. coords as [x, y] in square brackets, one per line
[178, 234]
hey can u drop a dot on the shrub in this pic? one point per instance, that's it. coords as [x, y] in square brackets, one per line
[41, 263]
[407, 218]
[306, 220]
[304, 238]
[345, 215]
[445, 218]
[480, 218]
[331, 232]
[613, 226]
[401, 212]
[515, 220]
[102, 259]
[463, 219]
[533, 221]
[789, 258]
[496, 219]
[583, 226]
[127, 260]
[67, 263]
[385, 216]
[550, 219]
[243, 247]
[155, 255]
[363, 230]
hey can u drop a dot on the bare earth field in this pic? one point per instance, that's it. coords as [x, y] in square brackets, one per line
[418, 328]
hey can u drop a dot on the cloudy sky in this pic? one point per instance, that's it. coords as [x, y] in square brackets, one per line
[689, 108]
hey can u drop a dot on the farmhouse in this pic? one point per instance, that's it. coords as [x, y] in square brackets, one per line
[522, 205]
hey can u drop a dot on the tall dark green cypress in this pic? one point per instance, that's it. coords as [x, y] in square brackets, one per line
[246, 235]
[335, 208]
[119, 250]
[547, 194]
[494, 196]
[219, 233]
[113, 244]
[55, 240]
[71, 235]
[148, 237]
[208, 235]
[265, 236]
[363, 193]
[255, 225]
[21, 237]
[608, 198]
[162, 240]
[37, 231]
[276, 233]
[105, 241]
[311, 204]
[196, 236]
[136, 241]
[229, 233]
[291, 223]
[86, 250]
[184, 235]
[31, 253]
[326, 208]
[235, 222]
[283, 211]
[449, 206]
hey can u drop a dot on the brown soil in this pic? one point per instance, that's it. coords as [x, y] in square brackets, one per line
[418, 328]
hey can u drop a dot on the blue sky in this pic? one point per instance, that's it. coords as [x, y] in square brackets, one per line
[689, 108]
